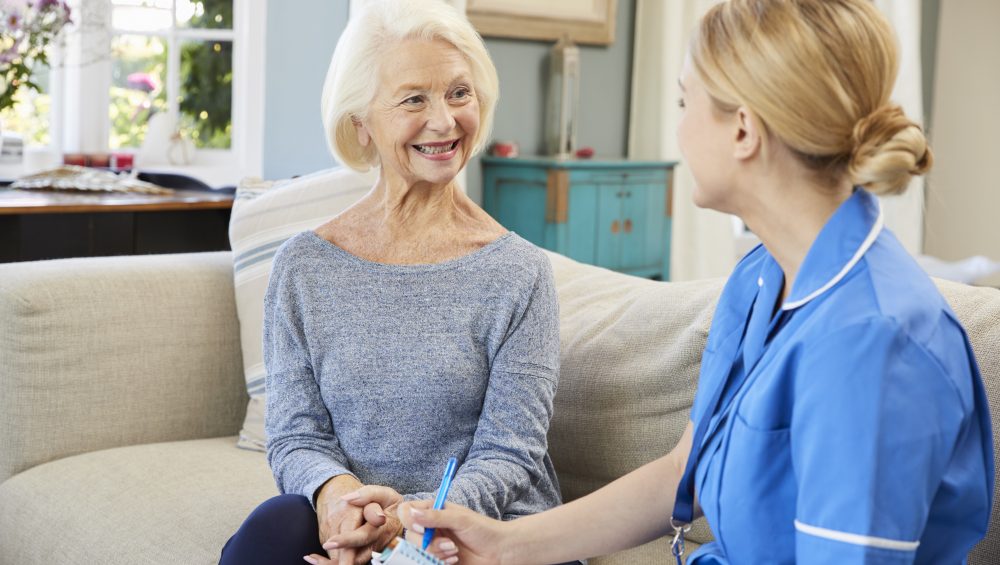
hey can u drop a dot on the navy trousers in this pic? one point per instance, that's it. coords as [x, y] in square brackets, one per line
[278, 532]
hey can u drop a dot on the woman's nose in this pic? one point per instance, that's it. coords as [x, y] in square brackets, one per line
[440, 118]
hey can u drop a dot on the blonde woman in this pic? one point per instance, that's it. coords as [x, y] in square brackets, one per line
[840, 416]
[412, 327]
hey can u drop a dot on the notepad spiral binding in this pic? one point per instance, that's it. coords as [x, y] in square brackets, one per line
[400, 552]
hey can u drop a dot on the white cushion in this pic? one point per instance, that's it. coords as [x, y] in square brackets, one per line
[265, 214]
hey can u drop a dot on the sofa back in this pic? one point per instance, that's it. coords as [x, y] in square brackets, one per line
[631, 351]
[103, 352]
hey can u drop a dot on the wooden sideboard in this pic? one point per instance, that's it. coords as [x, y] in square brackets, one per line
[610, 213]
[37, 225]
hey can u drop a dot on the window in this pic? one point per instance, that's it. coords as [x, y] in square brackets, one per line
[174, 58]
[190, 67]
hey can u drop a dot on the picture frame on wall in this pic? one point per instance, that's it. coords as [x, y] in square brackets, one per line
[589, 22]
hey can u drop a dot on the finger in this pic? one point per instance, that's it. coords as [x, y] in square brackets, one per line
[453, 517]
[367, 494]
[345, 556]
[443, 548]
[363, 557]
[405, 511]
[374, 514]
[316, 559]
[360, 537]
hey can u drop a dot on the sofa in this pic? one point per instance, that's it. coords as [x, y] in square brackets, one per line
[122, 391]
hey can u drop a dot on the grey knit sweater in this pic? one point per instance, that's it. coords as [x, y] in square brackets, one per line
[385, 371]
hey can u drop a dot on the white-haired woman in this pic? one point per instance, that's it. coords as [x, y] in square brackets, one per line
[412, 327]
[840, 415]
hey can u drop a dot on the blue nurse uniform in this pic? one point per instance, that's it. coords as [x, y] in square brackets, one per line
[861, 433]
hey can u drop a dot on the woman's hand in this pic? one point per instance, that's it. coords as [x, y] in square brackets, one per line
[338, 517]
[379, 525]
[382, 525]
[478, 540]
[385, 497]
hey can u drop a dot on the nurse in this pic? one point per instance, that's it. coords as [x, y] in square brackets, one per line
[840, 416]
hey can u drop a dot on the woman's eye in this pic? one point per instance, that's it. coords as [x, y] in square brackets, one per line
[461, 93]
[413, 100]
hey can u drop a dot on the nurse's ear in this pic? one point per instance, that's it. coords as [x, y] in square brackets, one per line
[748, 135]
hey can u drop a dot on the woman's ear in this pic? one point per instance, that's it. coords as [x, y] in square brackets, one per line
[364, 137]
[749, 135]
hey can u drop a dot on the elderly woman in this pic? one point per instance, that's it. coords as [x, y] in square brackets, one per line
[411, 327]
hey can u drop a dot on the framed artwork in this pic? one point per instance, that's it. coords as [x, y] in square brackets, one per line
[583, 21]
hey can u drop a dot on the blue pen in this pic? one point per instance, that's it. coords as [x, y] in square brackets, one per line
[449, 473]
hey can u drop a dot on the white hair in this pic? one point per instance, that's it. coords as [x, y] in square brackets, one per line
[353, 77]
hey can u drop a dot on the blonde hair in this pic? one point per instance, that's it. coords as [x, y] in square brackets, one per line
[353, 77]
[818, 74]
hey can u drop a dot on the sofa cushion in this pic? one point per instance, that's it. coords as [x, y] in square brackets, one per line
[166, 503]
[631, 353]
[265, 214]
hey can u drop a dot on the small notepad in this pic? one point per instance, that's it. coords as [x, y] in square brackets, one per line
[400, 552]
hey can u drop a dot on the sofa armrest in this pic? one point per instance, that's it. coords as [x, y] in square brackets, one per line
[105, 352]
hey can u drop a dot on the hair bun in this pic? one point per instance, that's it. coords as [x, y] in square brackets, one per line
[888, 149]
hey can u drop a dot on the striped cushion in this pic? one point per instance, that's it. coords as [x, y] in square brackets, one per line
[265, 214]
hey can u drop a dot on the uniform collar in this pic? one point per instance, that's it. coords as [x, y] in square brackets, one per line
[840, 245]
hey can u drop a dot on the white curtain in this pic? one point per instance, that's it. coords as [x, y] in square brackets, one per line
[904, 214]
[702, 241]
[705, 243]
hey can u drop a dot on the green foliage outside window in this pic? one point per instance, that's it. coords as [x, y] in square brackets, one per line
[207, 80]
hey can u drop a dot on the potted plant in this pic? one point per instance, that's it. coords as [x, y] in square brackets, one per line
[29, 26]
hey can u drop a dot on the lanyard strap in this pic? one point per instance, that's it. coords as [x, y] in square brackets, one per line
[683, 514]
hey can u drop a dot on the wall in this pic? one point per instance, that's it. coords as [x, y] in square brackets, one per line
[298, 52]
[963, 195]
[605, 81]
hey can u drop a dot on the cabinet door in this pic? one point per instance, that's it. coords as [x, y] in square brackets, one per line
[515, 197]
[582, 227]
[643, 216]
[609, 226]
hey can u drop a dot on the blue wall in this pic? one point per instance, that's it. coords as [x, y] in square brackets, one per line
[301, 36]
[298, 52]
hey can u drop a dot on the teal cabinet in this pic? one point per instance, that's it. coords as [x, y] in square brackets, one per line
[613, 214]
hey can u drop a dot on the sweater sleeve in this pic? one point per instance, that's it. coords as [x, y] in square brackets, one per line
[302, 446]
[508, 452]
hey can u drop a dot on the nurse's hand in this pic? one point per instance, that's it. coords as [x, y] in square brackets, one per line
[478, 540]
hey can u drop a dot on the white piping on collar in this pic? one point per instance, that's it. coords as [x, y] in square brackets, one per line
[856, 539]
[876, 229]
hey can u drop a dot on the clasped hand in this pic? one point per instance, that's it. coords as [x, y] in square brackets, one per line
[349, 532]
[354, 545]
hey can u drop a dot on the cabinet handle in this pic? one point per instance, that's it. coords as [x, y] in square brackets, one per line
[628, 226]
[614, 226]
[620, 193]
[628, 194]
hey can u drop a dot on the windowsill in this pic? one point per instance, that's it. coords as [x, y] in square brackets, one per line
[213, 175]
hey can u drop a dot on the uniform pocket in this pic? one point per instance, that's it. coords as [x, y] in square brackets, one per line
[757, 494]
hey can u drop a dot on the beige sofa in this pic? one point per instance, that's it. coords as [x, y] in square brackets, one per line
[121, 392]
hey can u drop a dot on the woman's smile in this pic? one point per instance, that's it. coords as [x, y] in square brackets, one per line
[438, 150]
